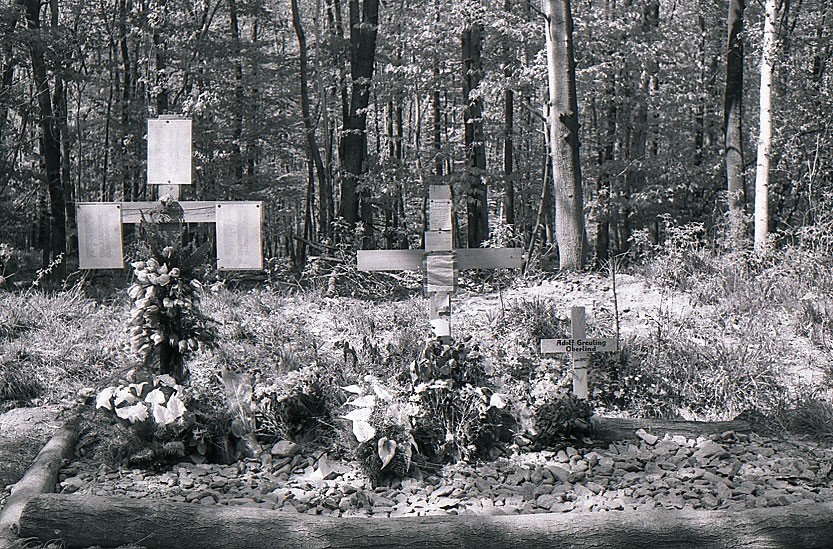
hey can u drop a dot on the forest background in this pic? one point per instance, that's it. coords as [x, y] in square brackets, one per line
[342, 112]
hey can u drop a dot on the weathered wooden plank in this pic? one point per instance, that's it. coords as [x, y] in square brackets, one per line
[390, 260]
[569, 345]
[609, 429]
[439, 192]
[99, 235]
[488, 258]
[197, 211]
[239, 242]
[439, 313]
[83, 521]
[39, 478]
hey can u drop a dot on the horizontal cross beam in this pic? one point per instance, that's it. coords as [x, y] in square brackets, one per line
[464, 258]
[192, 212]
[570, 345]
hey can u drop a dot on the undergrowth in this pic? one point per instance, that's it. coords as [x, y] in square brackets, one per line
[747, 327]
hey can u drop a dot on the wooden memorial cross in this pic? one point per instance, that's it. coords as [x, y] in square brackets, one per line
[239, 224]
[580, 348]
[439, 259]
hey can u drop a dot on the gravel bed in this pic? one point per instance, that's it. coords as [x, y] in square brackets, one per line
[730, 471]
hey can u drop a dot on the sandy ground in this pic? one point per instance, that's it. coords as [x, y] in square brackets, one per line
[23, 432]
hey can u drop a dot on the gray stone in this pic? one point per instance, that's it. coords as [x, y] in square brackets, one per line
[647, 437]
[284, 448]
[560, 473]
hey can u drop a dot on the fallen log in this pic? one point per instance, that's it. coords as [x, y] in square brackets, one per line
[83, 520]
[41, 477]
[610, 429]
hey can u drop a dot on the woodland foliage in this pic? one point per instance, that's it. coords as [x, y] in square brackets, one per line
[650, 78]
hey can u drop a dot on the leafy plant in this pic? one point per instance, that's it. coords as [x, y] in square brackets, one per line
[382, 427]
[140, 399]
[238, 389]
[458, 414]
[296, 405]
[386, 457]
[562, 419]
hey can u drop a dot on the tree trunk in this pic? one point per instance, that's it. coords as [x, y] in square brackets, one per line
[82, 520]
[239, 100]
[508, 141]
[609, 429]
[564, 135]
[50, 142]
[356, 203]
[733, 122]
[765, 129]
[314, 153]
[477, 205]
[8, 22]
[604, 187]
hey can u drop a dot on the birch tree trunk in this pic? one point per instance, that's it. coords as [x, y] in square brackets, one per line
[564, 138]
[765, 130]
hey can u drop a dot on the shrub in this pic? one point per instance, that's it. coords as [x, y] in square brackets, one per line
[562, 419]
[812, 416]
[386, 457]
[458, 415]
[381, 425]
[296, 405]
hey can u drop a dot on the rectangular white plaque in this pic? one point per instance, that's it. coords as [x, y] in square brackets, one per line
[440, 273]
[239, 238]
[169, 151]
[99, 236]
[438, 241]
[439, 215]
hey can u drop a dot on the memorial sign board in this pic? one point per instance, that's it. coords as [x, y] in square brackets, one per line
[239, 224]
[579, 346]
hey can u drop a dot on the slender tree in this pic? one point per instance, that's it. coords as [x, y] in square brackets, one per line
[765, 129]
[50, 140]
[160, 49]
[733, 121]
[477, 205]
[508, 141]
[564, 135]
[356, 203]
[313, 152]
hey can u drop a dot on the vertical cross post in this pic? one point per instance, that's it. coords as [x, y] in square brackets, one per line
[440, 261]
[239, 224]
[579, 348]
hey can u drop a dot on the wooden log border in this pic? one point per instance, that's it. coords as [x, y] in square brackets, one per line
[84, 520]
[40, 478]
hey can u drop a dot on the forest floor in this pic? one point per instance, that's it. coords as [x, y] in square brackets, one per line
[23, 432]
[733, 471]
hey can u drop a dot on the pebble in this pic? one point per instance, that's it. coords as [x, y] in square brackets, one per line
[730, 471]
